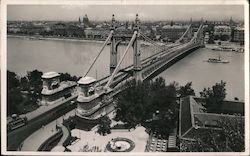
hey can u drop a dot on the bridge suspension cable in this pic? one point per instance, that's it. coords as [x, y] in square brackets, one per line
[198, 31]
[103, 46]
[181, 38]
[157, 48]
[150, 40]
[121, 60]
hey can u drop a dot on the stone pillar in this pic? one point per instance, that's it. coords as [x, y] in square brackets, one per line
[113, 52]
[113, 55]
[201, 38]
[137, 55]
[190, 34]
[136, 51]
[137, 59]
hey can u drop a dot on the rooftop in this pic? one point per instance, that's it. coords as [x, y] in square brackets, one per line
[173, 27]
[50, 75]
[86, 80]
[194, 114]
[239, 28]
[222, 27]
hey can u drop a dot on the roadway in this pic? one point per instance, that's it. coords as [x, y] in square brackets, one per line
[16, 137]
[44, 108]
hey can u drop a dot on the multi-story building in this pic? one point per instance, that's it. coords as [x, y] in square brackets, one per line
[222, 32]
[194, 118]
[238, 35]
[171, 33]
[96, 33]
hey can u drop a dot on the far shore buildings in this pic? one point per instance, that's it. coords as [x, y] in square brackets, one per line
[194, 118]
[222, 32]
[171, 32]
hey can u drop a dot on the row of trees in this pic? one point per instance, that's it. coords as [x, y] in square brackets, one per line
[214, 97]
[23, 93]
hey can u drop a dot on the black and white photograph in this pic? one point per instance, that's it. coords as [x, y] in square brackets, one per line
[125, 77]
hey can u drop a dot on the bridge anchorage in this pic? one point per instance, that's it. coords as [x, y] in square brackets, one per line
[95, 97]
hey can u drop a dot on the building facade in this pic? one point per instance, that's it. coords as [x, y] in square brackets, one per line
[171, 33]
[222, 32]
[238, 35]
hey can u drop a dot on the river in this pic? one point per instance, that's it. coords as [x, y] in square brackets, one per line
[75, 57]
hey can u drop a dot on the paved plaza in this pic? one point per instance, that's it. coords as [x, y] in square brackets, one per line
[92, 138]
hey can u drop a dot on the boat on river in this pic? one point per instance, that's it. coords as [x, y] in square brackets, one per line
[217, 60]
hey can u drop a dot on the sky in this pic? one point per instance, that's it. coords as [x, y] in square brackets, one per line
[124, 12]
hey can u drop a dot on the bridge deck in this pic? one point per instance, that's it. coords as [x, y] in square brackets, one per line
[169, 53]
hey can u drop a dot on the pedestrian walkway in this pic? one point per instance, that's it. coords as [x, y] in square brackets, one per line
[33, 142]
[64, 137]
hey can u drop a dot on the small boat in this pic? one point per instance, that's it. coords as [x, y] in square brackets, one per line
[145, 44]
[217, 60]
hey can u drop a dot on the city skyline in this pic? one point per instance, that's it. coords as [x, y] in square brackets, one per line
[124, 12]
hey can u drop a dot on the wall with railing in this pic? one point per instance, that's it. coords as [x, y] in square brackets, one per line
[51, 142]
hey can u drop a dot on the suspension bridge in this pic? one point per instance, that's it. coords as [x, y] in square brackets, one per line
[95, 96]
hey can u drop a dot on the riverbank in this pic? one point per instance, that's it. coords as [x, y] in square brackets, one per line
[54, 38]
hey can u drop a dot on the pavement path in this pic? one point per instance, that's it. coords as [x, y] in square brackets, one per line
[33, 142]
[64, 137]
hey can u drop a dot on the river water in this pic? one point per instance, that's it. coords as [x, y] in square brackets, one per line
[75, 57]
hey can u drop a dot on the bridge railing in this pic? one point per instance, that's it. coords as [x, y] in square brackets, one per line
[166, 58]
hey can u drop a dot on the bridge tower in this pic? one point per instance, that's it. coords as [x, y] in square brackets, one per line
[136, 51]
[190, 32]
[113, 50]
[202, 35]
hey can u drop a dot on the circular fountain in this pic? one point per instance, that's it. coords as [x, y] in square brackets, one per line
[120, 145]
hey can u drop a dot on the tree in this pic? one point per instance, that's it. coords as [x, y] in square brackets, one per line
[214, 97]
[25, 83]
[12, 80]
[186, 90]
[229, 138]
[104, 126]
[67, 77]
[233, 130]
[14, 96]
[35, 82]
[140, 100]
[204, 141]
